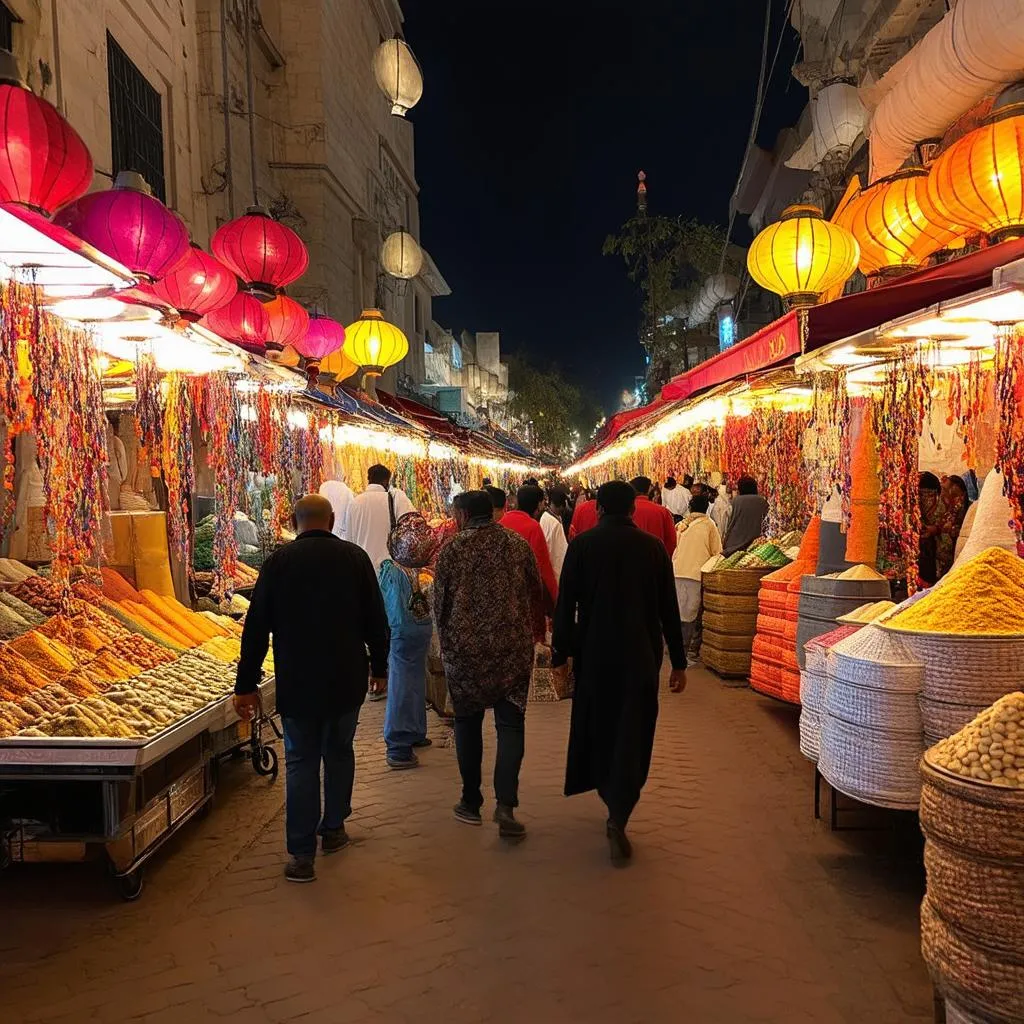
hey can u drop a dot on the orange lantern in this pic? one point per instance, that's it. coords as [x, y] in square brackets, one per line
[338, 365]
[888, 223]
[979, 180]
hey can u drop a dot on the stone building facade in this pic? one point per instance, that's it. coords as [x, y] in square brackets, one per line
[165, 84]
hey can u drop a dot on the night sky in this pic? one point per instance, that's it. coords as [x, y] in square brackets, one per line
[535, 119]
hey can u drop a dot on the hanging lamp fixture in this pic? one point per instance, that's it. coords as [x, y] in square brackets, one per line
[374, 344]
[398, 74]
[264, 253]
[198, 285]
[323, 337]
[243, 321]
[289, 322]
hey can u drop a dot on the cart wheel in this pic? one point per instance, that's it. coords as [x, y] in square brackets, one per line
[129, 887]
[264, 762]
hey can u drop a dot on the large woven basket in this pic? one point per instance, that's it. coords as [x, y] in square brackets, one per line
[729, 641]
[730, 622]
[981, 899]
[981, 820]
[876, 659]
[729, 664]
[972, 670]
[958, 1015]
[810, 734]
[730, 604]
[776, 626]
[766, 677]
[940, 719]
[772, 602]
[873, 708]
[869, 765]
[976, 980]
[790, 684]
[734, 582]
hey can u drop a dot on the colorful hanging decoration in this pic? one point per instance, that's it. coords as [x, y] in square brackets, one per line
[1009, 374]
[177, 461]
[221, 423]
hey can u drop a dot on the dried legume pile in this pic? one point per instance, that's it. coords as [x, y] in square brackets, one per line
[989, 749]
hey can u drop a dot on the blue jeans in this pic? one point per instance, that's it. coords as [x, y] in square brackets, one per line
[307, 742]
[405, 718]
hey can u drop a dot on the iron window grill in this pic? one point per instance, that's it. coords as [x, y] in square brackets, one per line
[136, 120]
[7, 20]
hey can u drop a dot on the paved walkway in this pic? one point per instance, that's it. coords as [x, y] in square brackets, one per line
[738, 906]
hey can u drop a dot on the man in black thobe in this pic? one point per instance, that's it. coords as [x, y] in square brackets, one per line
[616, 601]
[320, 599]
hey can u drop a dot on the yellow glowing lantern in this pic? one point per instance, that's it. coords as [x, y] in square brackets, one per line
[338, 365]
[979, 180]
[374, 344]
[398, 74]
[802, 255]
[942, 233]
[889, 224]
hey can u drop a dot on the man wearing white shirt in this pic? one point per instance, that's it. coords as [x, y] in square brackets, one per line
[676, 498]
[340, 495]
[554, 536]
[370, 514]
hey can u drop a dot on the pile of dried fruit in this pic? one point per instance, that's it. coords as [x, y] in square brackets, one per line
[990, 748]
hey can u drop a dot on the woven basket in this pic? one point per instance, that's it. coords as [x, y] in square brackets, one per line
[981, 899]
[966, 670]
[790, 632]
[767, 648]
[729, 664]
[730, 622]
[726, 604]
[978, 819]
[765, 677]
[876, 659]
[869, 765]
[790, 685]
[940, 720]
[813, 687]
[892, 712]
[974, 979]
[771, 602]
[734, 582]
[957, 1015]
[771, 625]
[810, 734]
[729, 641]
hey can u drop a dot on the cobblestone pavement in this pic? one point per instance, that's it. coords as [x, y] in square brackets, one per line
[738, 906]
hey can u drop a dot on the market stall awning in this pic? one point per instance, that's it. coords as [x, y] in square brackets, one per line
[771, 345]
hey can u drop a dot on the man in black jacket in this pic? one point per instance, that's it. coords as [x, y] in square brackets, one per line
[319, 598]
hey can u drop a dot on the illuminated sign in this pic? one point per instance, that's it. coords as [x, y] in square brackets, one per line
[726, 327]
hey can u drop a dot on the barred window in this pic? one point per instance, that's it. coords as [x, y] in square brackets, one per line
[136, 121]
[7, 20]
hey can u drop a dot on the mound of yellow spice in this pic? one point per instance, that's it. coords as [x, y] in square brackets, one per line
[984, 595]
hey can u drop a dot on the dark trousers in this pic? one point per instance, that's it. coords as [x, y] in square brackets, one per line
[630, 757]
[509, 723]
[307, 743]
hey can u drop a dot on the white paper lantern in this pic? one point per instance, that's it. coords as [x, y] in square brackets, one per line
[401, 255]
[398, 74]
[837, 118]
[718, 288]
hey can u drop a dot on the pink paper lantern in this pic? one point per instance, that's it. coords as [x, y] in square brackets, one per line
[131, 226]
[197, 286]
[243, 322]
[323, 337]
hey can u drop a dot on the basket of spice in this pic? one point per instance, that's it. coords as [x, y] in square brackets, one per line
[972, 816]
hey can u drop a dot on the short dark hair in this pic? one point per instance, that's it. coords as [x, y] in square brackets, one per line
[699, 503]
[616, 498]
[929, 482]
[476, 504]
[958, 481]
[379, 475]
[530, 481]
[687, 481]
[746, 485]
[487, 482]
[499, 499]
[528, 498]
[670, 483]
[641, 484]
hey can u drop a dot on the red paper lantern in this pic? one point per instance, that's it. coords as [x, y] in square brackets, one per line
[130, 225]
[197, 286]
[323, 337]
[288, 322]
[243, 321]
[43, 161]
[262, 252]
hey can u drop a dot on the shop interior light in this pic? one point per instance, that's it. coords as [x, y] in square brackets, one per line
[33, 256]
[1005, 307]
[87, 309]
[441, 452]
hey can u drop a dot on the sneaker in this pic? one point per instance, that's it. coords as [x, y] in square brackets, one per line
[425, 742]
[300, 869]
[401, 763]
[334, 839]
[508, 827]
[466, 814]
[619, 846]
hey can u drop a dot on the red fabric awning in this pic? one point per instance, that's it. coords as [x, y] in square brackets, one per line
[618, 423]
[861, 311]
[773, 344]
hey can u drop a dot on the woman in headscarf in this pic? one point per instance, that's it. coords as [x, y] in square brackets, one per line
[937, 542]
[411, 544]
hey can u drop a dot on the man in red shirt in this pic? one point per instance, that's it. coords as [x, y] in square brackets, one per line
[521, 521]
[653, 519]
[584, 517]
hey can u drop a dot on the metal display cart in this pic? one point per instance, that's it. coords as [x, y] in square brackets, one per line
[78, 798]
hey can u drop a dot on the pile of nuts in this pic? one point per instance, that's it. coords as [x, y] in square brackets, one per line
[990, 749]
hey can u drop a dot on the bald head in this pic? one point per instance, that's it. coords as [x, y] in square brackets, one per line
[313, 512]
